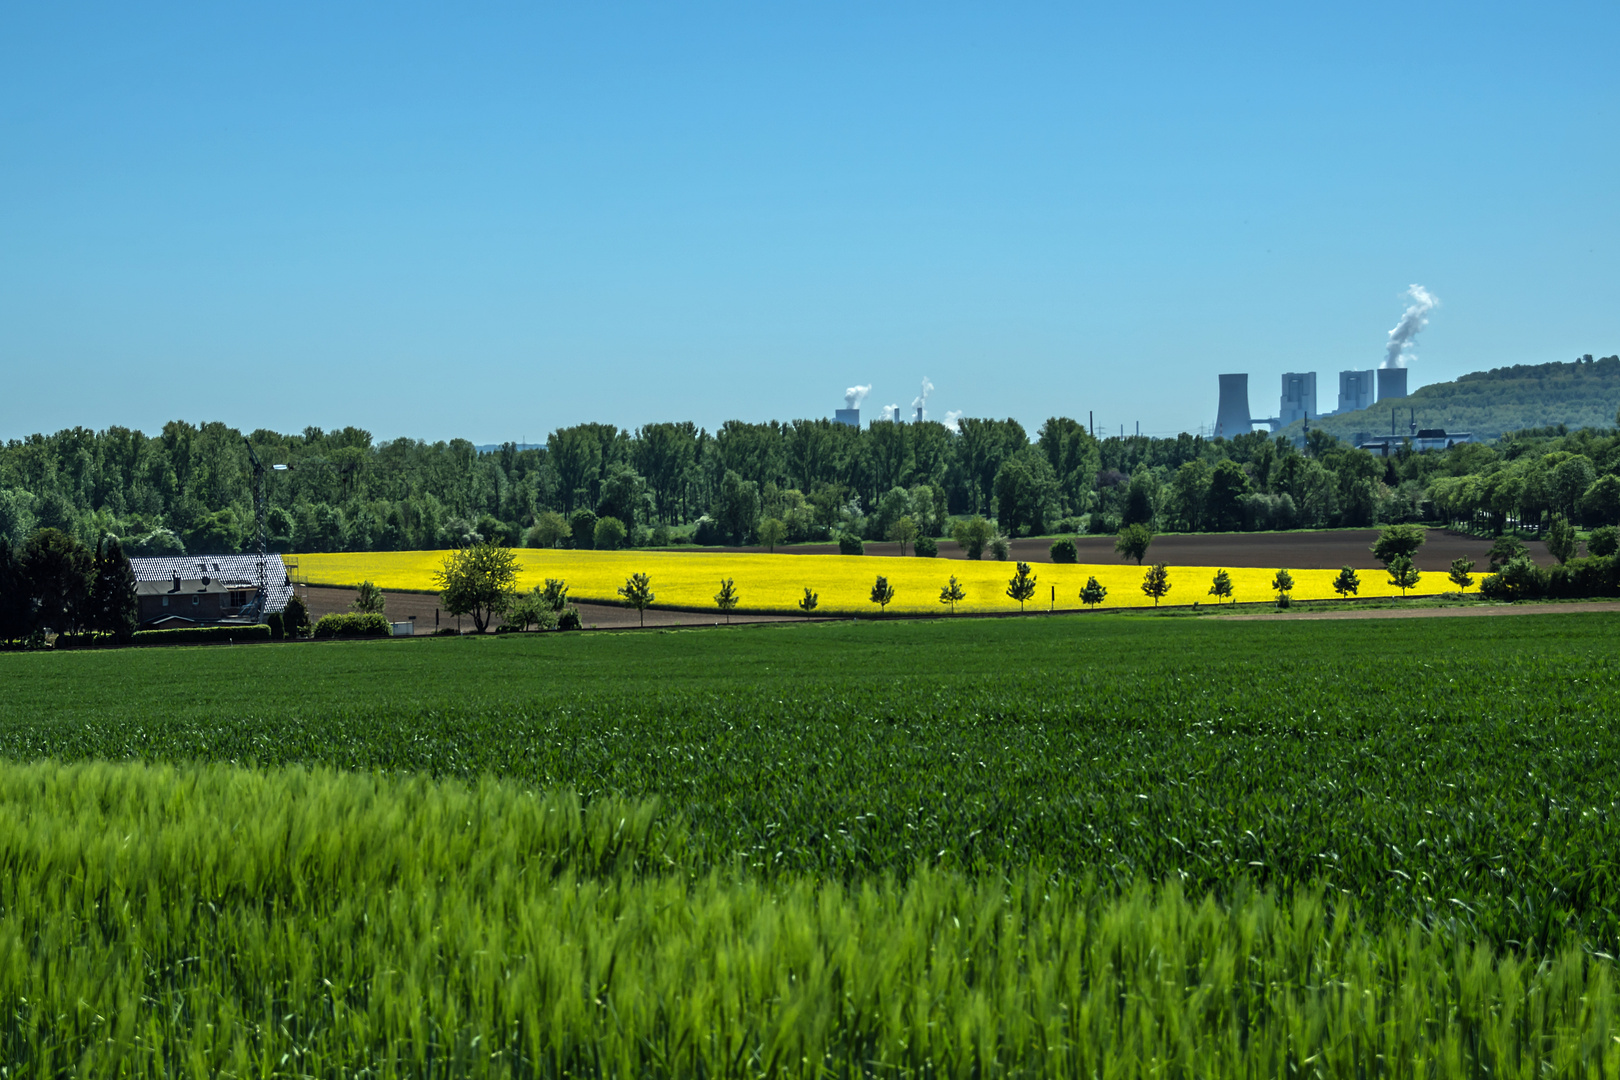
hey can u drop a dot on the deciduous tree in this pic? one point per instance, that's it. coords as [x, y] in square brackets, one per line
[1221, 587]
[1402, 574]
[637, 591]
[1283, 585]
[113, 605]
[1156, 582]
[58, 571]
[903, 532]
[952, 594]
[1094, 593]
[369, 599]
[478, 581]
[882, 593]
[726, 598]
[1398, 540]
[1022, 585]
[1561, 541]
[972, 533]
[771, 531]
[810, 600]
[1348, 583]
[1461, 575]
[1134, 541]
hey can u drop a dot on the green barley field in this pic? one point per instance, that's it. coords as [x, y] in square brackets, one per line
[1073, 846]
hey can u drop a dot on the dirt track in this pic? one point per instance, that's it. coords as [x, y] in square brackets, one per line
[1434, 613]
[1327, 550]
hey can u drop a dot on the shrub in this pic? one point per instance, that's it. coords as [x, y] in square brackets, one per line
[89, 639]
[850, 545]
[1064, 551]
[926, 547]
[203, 635]
[277, 624]
[351, 624]
[1603, 541]
[295, 619]
[1583, 577]
[1520, 579]
[569, 619]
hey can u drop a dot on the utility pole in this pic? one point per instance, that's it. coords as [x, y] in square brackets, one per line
[259, 514]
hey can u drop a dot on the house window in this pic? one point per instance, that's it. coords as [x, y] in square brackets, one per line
[165, 601]
[195, 600]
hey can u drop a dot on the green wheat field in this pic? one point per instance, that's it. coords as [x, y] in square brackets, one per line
[1089, 846]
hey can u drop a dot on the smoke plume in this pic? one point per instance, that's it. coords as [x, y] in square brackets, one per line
[922, 398]
[855, 395]
[951, 419]
[1414, 319]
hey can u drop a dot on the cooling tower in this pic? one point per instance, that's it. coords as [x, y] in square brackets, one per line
[1356, 390]
[1298, 397]
[1391, 382]
[852, 417]
[1232, 417]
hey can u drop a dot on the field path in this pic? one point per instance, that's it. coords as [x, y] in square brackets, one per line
[1435, 613]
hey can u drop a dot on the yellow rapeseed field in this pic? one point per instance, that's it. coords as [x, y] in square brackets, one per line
[775, 583]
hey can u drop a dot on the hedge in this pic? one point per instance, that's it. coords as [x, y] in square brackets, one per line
[352, 624]
[88, 639]
[202, 635]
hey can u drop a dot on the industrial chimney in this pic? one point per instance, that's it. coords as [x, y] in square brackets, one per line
[1232, 417]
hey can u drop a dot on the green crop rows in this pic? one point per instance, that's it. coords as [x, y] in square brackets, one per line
[1372, 842]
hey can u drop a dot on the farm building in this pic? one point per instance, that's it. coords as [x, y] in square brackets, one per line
[207, 590]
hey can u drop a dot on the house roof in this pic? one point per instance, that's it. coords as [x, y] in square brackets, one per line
[190, 587]
[224, 572]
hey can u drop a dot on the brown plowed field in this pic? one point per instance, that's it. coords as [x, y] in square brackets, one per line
[1326, 550]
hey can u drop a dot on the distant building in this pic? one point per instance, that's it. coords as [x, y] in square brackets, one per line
[852, 417]
[207, 590]
[1232, 416]
[1357, 390]
[1298, 398]
[1423, 439]
[1391, 382]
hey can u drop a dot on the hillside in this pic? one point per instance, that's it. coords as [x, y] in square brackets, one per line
[1489, 403]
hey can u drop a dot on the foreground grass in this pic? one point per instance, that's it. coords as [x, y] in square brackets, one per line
[1456, 773]
[208, 920]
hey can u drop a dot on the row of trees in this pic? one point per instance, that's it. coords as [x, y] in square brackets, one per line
[594, 485]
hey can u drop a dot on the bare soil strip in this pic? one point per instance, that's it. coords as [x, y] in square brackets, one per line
[1323, 550]
[429, 616]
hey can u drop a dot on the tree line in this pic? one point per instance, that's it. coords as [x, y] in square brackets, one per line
[191, 488]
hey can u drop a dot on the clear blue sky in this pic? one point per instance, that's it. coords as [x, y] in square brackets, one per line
[490, 221]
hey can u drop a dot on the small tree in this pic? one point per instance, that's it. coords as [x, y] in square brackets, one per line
[808, 604]
[726, 598]
[1022, 586]
[1561, 541]
[1134, 541]
[903, 532]
[849, 544]
[1156, 582]
[555, 594]
[609, 534]
[998, 548]
[1396, 541]
[972, 533]
[550, 529]
[882, 593]
[1505, 550]
[1064, 551]
[926, 547]
[478, 581]
[1283, 585]
[1221, 587]
[637, 590]
[532, 609]
[582, 527]
[952, 594]
[1094, 593]
[1460, 575]
[1348, 583]
[369, 600]
[771, 531]
[1402, 574]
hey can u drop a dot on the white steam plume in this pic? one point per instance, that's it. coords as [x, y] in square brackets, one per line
[855, 395]
[1414, 319]
[951, 419]
[891, 412]
[922, 398]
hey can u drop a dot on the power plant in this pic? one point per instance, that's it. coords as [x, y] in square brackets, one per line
[1232, 417]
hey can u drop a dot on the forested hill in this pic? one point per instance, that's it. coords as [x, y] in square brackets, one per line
[1584, 393]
